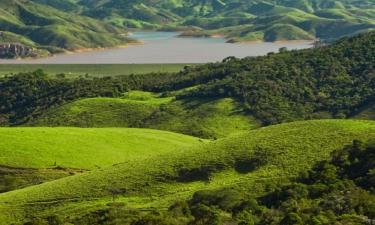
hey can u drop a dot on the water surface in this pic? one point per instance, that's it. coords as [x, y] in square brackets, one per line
[167, 47]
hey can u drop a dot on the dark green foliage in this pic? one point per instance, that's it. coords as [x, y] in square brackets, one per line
[28, 94]
[223, 199]
[293, 85]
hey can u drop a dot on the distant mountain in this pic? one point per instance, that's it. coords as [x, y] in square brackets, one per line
[50, 30]
[54, 25]
[239, 20]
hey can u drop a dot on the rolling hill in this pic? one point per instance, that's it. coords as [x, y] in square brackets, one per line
[271, 155]
[43, 27]
[269, 20]
[42, 154]
[106, 173]
[206, 118]
[48, 30]
[84, 148]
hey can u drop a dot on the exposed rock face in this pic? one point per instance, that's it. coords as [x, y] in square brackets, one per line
[15, 50]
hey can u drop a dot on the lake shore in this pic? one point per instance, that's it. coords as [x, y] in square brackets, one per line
[84, 50]
[235, 41]
[164, 48]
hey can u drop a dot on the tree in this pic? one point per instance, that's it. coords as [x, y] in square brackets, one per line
[292, 219]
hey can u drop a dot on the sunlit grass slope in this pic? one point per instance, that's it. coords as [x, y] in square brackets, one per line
[267, 154]
[207, 118]
[84, 148]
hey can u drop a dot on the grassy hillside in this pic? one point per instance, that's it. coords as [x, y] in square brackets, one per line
[207, 118]
[43, 27]
[85, 148]
[270, 155]
[55, 26]
[270, 20]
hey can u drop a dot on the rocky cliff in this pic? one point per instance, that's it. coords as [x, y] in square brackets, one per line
[15, 50]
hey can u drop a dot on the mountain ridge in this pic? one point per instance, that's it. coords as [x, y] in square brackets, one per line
[55, 26]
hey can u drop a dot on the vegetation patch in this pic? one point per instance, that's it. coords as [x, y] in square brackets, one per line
[295, 146]
[85, 148]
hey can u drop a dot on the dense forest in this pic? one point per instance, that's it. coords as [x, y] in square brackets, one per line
[336, 80]
[324, 82]
[336, 191]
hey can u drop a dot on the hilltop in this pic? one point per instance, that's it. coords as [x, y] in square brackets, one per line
[206, 118]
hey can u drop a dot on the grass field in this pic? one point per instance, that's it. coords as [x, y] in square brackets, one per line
[269, 154]
[94, 70]
[206, 118]
[84, 148]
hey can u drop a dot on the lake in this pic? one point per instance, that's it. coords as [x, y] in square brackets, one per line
[167, 47]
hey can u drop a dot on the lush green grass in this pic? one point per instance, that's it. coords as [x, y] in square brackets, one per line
[95, 70]
[84, 148]
[207, 118]
[246, 161]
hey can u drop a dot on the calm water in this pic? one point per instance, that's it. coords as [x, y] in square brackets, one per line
[166, 47]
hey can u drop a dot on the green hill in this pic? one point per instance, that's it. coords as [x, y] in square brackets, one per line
[45, 28]
[312, 19]
[84, 148]
[43, 154]
[271, 155]
[207, 118]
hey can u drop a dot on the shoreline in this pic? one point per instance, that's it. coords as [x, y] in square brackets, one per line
[138, 42]
[77, 51]
[84, 50]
